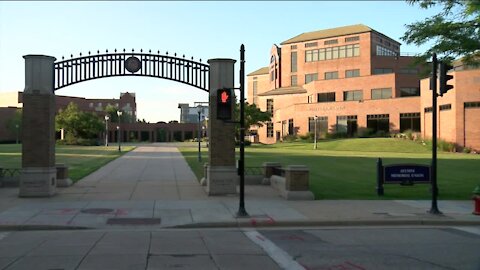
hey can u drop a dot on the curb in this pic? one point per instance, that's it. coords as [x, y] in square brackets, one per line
[41, 228]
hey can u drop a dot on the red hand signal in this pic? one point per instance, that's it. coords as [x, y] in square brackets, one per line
[224, 97]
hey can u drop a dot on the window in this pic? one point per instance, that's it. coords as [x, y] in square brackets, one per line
[350, 39]
[347, 125]
[408, 71]
[311, 44]
[381, 93]
[471, 104]
[293, 80]
[332, 53]
[377, 71]
[409, 92]
[353, 95]
[254, 89]
[330, 42]
[445, 107]
[428, 109]
[322, 126]
[270, 106]
[378, 122]
[269, 130]
[410, 121]
[293, 47]
[352, 73]
[91, 105]
[293, 61]
[382, 51]
[272, 75]
[331, 75]
[326, 97]
[291, 130]
[311, 77]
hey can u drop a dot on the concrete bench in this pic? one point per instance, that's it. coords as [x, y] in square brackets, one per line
[292, 181]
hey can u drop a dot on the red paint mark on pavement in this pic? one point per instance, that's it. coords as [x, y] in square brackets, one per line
[253, 222]
[67, 210]
[121, 212]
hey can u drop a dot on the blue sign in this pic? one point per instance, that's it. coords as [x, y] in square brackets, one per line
[406, 174]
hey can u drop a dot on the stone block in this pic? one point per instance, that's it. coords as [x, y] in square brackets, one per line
[221, 180]
[296, 178]
[62, 176]
[268, 168]
[38, 182]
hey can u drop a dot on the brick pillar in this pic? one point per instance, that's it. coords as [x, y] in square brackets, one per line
[222, 173]
[38, 177]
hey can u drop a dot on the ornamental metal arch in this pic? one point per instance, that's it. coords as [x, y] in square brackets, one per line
[85, 68]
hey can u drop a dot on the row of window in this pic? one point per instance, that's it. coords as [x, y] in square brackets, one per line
[330, 75]
[382, 51]
[348, 124]
[332, 53]
[327, 42]
[379, 93]
[444, 107]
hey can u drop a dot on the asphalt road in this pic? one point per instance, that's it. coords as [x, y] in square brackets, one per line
[350, 248]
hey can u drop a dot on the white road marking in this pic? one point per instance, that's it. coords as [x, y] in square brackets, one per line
[474, 230]
[3, 235]
[282, 258]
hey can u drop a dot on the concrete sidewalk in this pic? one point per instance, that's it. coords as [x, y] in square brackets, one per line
[153, 186]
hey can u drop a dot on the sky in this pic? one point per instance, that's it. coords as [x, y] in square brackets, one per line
[202, 29]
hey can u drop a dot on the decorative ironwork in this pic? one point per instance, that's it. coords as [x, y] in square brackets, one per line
[85, 68]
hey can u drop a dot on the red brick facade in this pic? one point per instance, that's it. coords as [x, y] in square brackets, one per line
[350, 78]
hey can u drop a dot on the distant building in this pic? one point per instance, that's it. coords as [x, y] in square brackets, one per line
[131, 131]
[190, 114]
[354, 79]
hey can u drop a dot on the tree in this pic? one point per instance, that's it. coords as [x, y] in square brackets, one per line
[14, 122]
[455, 31]
[78, 125]
[111, 111]
[253, 116]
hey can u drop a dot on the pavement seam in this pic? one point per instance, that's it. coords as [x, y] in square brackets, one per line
[90, 250]
[138, 179]
[23, 255]
[148, 252]
[208, 250]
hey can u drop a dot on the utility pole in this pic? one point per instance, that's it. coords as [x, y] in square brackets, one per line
[433, 86]
[241, 164]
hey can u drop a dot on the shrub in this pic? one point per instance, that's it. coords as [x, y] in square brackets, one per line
[364, 132]
[290, 138]
[467, 150]
[336, 135]
[309, 137]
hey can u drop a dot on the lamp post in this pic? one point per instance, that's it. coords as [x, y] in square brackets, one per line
[106, 129]
[315, 136]
[199, 111]
[206, 130]
[119, 113]
[16, 132]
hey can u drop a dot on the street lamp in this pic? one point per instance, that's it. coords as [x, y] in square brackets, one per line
[106, 129]
[315, 136]
[199, 111]
[16, 131]
[119, 113]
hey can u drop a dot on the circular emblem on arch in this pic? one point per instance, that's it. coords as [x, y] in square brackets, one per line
[132, 64]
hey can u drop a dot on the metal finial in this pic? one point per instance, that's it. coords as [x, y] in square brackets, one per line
[106, 51]
[133, 50]
[149, 51]
[175, 54]
[184, 56]
[88, 52]
[115, 50]
[71, 55]
[63, 57]
[98, 51]
[200, 60]
[80, 54]
[141, 50]
[123, 49]
[158, 52]
[167, 53]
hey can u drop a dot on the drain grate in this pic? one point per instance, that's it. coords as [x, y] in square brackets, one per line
[97, 211]
[133, 221]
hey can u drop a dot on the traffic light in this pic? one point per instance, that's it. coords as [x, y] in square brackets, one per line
[444, 78]
[224, 104]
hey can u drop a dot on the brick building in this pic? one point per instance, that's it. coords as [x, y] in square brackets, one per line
[351, 79]
[131, 131]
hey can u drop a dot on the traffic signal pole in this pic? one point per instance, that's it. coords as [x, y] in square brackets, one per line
[433, 86]
[241, 164]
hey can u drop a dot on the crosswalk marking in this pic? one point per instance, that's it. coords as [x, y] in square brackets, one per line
[3, 235]
[282, 258]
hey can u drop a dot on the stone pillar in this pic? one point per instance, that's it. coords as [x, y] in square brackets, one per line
[39, 175]
[222, 172]
[268, 168]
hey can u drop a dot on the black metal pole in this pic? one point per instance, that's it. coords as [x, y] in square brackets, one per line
[380, 191]
[433, 86]
[119, 133]
[198, 136]
[241, 208]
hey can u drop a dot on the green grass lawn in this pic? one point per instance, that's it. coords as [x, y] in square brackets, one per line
[346, 169]
[81, 160]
